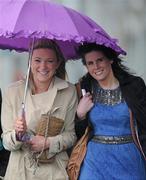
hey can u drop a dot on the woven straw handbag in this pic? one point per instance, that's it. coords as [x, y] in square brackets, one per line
[48, 126]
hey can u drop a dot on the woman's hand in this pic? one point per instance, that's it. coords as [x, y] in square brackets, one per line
[84, 105]
[20, 126]
[37, 143]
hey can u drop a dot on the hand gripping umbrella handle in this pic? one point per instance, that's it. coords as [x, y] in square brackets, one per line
[27, 136]
[22, 115]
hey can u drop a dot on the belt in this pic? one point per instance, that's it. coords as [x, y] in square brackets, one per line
[112, 139]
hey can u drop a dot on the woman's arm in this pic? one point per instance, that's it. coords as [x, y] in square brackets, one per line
[68, 137]
[9, 136]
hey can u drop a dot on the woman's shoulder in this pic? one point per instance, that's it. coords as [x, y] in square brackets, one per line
[131, 80]
[15, 87]
[16, 84]
[63, 84]
[133, 85]
[136, 80]
[66, 88]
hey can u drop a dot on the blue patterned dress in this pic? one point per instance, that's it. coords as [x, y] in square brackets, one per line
[112, 162]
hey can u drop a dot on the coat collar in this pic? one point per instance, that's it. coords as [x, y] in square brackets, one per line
[60, 83]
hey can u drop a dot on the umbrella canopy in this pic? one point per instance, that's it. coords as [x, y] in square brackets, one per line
[23, 20]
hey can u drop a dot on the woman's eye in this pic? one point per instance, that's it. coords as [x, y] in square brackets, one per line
[37, 60]
[50, 61]
[100, 60]
[89, 63]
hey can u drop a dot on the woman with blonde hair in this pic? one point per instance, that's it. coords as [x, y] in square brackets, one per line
[39, 139]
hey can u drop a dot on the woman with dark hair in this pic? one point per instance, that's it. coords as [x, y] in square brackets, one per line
[113, 95]
[39, 138]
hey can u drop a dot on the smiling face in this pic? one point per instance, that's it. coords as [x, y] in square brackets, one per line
[99, 67]
[43, 65]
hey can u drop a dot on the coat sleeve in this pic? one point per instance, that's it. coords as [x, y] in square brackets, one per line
[141, 118]
[9, 137]
[140, 101]
[68, 137]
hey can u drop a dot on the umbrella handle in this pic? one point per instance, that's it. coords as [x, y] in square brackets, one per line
[23, 110]
[22, 115]
[26, 136]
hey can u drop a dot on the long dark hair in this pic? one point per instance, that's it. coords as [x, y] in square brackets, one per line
[118, 68]
[50, 44]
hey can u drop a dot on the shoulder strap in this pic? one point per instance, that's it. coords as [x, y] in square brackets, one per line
[78, 88]
[135, 134]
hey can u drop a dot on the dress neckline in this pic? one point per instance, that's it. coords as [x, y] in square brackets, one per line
[107, 96]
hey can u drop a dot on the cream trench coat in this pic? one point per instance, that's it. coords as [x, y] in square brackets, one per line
[61, 99]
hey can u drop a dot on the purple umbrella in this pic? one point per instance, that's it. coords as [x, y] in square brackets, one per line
[23, 20]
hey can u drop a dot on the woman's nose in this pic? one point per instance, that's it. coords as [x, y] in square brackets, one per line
[96, 64]
[43, 64]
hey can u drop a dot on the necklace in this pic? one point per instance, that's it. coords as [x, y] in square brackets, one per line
[107, 96]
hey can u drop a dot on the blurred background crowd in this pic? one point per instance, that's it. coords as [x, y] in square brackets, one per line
[122, 19]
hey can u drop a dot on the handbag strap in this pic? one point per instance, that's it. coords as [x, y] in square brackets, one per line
[78, 89]
[135, 136]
